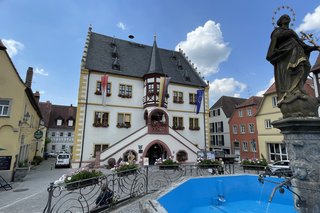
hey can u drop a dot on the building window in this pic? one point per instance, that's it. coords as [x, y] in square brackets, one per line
[211, 127]
[240, 113]
[244, 146]
[53, 134]
[235, 129]
[124, 120]
[178, 123]
[99, 148]
[61, 134]
[99, 91]
[220, 126]
[274, 101]
[70, 122]
[249, 111]
[212, 140]
[236, 144]
[267, 124]
[69, 134]
[277, 152]
[53, 147]
[125, 91]
[4, 107]
[192, 98]
[251, 128]
[220, 140]
[194, 124]
[101, 119]
[59, 122]
[253, 146]
[177, 97]
[242, 128]
[63, 147]
[218, 112]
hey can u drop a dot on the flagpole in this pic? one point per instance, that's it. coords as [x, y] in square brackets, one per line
[204, 124]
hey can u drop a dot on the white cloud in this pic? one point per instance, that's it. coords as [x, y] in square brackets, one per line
[260, 93]
[311, 21]
[227, 87]
[41, 71]
[13, 47]
[121, 25]
[206, 48]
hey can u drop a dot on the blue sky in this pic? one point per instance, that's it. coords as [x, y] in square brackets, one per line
[227, 40]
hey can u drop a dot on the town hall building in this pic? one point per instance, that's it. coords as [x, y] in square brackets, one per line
[139, 99]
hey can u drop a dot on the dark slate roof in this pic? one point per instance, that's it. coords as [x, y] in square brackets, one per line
[155, 65]
[57, 111]
[227, 104]
[134, 60]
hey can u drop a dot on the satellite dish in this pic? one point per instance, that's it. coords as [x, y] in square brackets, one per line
[131, 36]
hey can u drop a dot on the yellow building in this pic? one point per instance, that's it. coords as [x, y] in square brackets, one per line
[20, 118]
[270, 138]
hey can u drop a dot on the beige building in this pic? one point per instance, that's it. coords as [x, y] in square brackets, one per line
[20, 118]
[270, 139]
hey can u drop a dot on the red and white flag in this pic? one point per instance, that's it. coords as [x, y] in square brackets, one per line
[104, 84]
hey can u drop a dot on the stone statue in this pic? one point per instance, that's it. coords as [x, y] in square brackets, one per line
[290, 57]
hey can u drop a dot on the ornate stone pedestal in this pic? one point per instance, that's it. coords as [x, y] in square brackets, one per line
[302, 138]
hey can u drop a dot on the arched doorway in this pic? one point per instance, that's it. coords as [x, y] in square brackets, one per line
[155, 152]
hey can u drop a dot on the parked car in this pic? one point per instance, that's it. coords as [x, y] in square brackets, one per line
[280, 168]
[63, 160]
[52, 155]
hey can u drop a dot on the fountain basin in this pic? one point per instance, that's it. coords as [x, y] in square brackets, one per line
[239, 193]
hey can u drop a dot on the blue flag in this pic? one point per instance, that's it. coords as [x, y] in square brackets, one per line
[199, 99]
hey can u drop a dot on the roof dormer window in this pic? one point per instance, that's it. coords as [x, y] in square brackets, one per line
[70, 122]
[59, 122]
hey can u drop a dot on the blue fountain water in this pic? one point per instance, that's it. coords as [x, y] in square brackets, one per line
[227, 194]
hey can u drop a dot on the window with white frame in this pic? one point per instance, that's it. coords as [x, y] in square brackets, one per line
[277, 152]
[177, 97]
[244, 146]
[240, 113]
[253, 146]
[267, 124]
[99, 90]
[242, 128]
[249, 111]
[274, 101]
[70, 122]
[4, 107]
[69, 134]
[251, 128]
[125, 90]
[235, 129]
[63, 147]
[61, 134]
[59, 122]
[220, 126]
[192, 98]
[53, 134]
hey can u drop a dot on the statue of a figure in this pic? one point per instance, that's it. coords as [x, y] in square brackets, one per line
[290, 57]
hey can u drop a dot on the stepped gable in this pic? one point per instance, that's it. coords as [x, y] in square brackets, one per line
[134, 60]
[228, 104]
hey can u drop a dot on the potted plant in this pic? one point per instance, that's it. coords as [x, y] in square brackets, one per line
[82, 178]
[125, 168]
[208, 163]
[254, 164]
[168, 164]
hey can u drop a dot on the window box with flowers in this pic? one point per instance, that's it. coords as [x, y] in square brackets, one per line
[167, 164]
[178, 127]
[97, 92]
[124, 125]
[125, 169]
[194, 128]
[208, 163]
[255, 164]
[81, 178]
[178, 100]
[125, 96]
[100, 125]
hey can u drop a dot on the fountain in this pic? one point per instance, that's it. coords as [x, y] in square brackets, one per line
[300, 125]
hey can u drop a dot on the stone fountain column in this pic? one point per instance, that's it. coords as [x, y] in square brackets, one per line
[302, 138]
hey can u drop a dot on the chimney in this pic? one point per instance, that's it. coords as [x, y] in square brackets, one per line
[37, 96]
[29, 77]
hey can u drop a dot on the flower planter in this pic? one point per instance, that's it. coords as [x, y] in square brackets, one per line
[253, 167]
[168, 167]
[126, 173]
[20, 173]
[82, 183]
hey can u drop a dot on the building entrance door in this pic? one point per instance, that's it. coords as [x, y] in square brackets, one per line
[155, 152]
